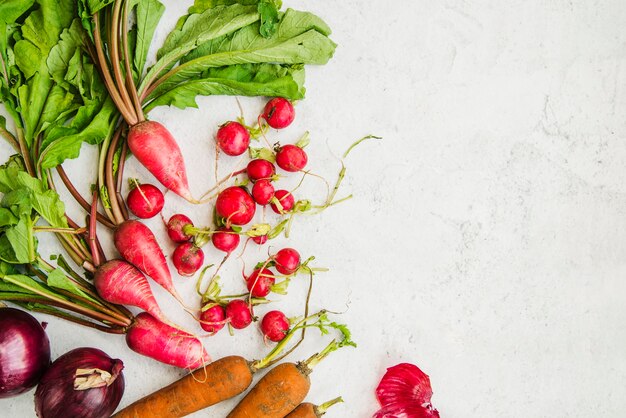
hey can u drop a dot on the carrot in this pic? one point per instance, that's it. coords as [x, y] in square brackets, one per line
[279, 392]
[220, 380]
[308, 410]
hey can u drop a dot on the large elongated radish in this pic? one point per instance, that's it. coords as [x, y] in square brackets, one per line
[120, 282]
[155, 147]
[150, 337]
[137, 244]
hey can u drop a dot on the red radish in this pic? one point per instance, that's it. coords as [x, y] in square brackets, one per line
[405, 391]
[150, 337]
[260, 282]
[262, 192]
[286, 200]
[213, 319]
[225, 240]
[233, 138]
[145, 201]
[279, 113]
[238, 313]
[287, 261]
[187, 259]
[291, 158]
[155, 147]
[275, 326]
[260, 240]
[121, 283]
[260, 169]
[176, 228]
[137, 245]
[235, 205]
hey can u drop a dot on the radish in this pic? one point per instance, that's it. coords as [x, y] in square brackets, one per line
[260, 240]
[291, 158]
[239, 314]
[263, 192]
[286, 200]
[225, 240]
[154, 146]
[176, 228]
[213, 319]
[279, 113]
[287, 261]
[121, 283]
[137, 245]
[150, 337]
[187, 259]
[145, 201]
[260, 282]
[235, 205]
[260, 169]
[233, 138]
[275, 326]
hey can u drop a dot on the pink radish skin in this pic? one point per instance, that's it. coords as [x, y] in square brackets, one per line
[235, 205]
[175, 228]
[145, 201]
[275, 326]
[152, 338]
[225, 240]
[212, 320]
[260, 240]
[287, 261]
[291, 158]
[137, 245]
[286, 200]
[262, 192]
[260, 169]
[279, 113]
[187, 259]
[120, 282]
[260, 282]
[155, 147]
[238, 313]
[233, 138]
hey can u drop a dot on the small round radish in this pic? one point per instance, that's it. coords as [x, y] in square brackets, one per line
[212, 320]
[260, 169]
[175, 227]
[260, 240]
[262, 192]
[260, 282]
[145, 201]
[291, 158]
[187, 259]
[287, 261]
[233, 138]
[235, 205]
[225, 241]
[238, 313]
[275, 325]
[286, 200]
[279, 113]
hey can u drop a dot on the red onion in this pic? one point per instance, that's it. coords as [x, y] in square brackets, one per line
[405, 392]
[24, 352]
[82, 383]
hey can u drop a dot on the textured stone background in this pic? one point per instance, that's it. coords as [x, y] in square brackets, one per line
[486, 241]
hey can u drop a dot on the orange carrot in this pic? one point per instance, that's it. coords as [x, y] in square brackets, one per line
[279, 392]
[220, 380]
[308, 410]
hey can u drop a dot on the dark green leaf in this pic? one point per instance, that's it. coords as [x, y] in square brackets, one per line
[148, 14]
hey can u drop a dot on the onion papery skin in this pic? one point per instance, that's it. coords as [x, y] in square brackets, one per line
[56, 396]
[24, 352]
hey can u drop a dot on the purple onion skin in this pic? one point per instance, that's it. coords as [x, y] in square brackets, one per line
[56, 397]
[24, 352]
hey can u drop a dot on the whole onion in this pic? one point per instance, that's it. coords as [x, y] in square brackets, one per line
[82, 383]
[24, 352]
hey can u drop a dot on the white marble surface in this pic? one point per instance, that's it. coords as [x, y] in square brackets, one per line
[487, 238]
